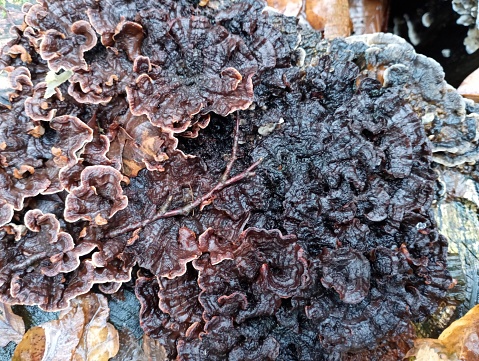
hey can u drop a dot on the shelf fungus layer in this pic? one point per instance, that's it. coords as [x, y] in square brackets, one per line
[267, 199]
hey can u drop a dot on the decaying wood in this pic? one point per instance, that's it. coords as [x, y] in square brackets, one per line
[338, 22]
[369, 16]
[331, 16]
[316, 12]
[338, 18]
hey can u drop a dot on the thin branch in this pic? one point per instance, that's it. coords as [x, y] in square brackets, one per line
[233, 158]
[29, 261]
[183, 211]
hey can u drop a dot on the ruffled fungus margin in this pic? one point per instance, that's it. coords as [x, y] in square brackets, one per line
[311, 222]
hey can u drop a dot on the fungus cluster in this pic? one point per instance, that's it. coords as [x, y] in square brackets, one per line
[450, 121]
[467, 9]
[270, 202]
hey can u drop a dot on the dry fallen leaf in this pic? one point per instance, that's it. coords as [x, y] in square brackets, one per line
[130, 348]
[153, 350]
[460, 341]
[32, 347]
[100, 339]
[287, 7]
[316, 13]
[462, 336]
[80, 334]
[12, 327]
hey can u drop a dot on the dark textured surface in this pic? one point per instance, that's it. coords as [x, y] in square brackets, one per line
[6, 352]
[448, 119]
[325, 252]
[124, 310]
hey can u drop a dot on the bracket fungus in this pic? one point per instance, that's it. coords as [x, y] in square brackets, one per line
[285, 231]
[467, 9]
[98, 197]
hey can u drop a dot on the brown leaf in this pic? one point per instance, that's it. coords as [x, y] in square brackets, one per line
[99, 341]
[460, 341]
[130, 348]
[369, 16]
[469, 88]
[287, 7]
[153, 350]
[428, 350]
[12, 327]
[316, 12]
[332, 16]
[462, 336]
[80, 334]
[32, 347]
[52, 341]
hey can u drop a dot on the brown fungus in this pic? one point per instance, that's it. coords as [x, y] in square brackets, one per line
[38, 108]
[298, 228]
[105, 18]
[63, 38]
[128, 37]
[183, 82]
[94, 153]
[348, 273]
[16, 50]
[38, 260]
[65, 51]
[98, 197]
[101, 81]
[136, 144]
[420, 79]
[33, 154]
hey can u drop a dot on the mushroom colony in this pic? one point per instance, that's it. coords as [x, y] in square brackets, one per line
[266, 199]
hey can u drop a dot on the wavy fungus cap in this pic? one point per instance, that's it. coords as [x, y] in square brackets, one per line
[273, 201]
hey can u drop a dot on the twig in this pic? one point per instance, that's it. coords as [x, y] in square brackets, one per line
[29, 261]
[227, 172]
[187, 209]
[222, 184]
